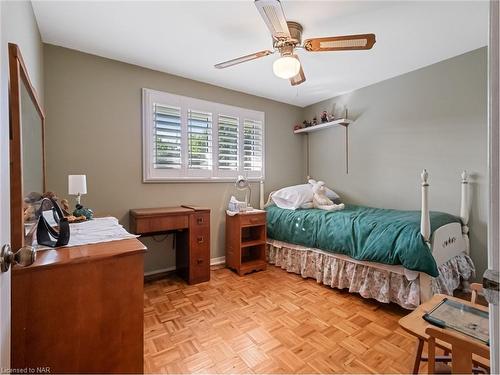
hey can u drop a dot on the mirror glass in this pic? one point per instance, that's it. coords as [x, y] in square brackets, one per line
[31, 158]
[32, 145]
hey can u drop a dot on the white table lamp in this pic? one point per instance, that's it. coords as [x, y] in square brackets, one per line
[77, 185]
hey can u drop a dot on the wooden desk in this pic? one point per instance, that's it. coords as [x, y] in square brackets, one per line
[192, 227]
[80, 309]
[414, 324]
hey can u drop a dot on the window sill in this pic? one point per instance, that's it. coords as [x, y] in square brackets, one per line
[199, 180]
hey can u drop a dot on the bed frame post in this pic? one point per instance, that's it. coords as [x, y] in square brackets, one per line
[465, 210]
[261, 195]
[425, 221]
[425, 231]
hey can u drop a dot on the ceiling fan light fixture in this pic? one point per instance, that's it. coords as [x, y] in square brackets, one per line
[286, 67]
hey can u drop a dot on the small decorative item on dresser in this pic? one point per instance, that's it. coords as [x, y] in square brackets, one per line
[80, 211]
[246, 241]
[77, 185]
[324, 116]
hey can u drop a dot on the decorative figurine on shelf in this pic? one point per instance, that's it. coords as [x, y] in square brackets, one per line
[315, 121]
[297, 127]
[331, 117]
[306, 123]
[324, 117]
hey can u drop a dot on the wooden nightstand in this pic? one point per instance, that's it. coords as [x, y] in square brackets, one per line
[246, 242]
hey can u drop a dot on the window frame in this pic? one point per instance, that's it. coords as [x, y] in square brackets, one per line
[184, 174]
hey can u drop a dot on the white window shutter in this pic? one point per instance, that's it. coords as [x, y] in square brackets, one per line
[167, 137]
[253, 147]
[199, 138]
[228, 142]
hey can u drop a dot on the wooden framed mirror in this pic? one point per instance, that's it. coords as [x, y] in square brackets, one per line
[27, 150]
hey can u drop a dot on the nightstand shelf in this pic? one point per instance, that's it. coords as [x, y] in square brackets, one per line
[252, 243]
[246, 242]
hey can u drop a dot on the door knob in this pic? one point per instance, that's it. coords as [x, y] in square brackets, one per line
[25, 256]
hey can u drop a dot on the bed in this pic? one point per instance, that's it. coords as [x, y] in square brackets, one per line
[389, 255]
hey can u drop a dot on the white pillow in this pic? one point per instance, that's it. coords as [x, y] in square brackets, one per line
[293, 197]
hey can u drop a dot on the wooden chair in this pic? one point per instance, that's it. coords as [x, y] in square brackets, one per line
[462, 348]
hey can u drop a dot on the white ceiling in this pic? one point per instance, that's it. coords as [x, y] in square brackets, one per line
[187, 38]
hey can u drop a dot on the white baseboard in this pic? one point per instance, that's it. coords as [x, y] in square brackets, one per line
[213, 262]
[217, 261]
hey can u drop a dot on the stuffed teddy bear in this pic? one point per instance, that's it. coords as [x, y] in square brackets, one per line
[320, 200]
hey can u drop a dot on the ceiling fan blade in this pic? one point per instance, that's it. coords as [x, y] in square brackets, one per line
[272, 14]
[243, 59]
[300, 77]
[340, 43]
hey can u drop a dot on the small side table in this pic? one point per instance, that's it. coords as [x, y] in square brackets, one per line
[246, 241]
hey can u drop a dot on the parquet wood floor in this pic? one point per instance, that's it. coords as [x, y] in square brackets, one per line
[269, 322]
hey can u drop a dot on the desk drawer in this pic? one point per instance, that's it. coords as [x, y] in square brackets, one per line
[161, 224]
[200, 219]
[200, 238]
[252, 219]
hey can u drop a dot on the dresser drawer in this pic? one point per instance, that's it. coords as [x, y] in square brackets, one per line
[252, 219]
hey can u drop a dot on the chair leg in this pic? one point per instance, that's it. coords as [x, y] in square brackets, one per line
[418, 356]
[431, 355]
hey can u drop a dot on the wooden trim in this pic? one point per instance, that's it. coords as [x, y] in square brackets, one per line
[18, 73]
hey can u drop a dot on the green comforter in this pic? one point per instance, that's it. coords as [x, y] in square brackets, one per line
[363, 233]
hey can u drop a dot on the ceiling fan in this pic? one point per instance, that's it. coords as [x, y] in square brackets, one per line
[287, 36]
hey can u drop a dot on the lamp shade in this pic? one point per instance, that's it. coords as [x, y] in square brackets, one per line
[241, 183]
[286, 67]
[77, 184]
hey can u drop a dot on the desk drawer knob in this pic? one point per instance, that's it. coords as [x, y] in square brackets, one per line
[199, 220]
[199, 261]
[200, 239]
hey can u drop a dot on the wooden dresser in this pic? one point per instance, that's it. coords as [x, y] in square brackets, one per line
[191, 225]
[80, 310]
[246, 242]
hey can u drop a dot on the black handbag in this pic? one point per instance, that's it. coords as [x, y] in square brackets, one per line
[45, 233]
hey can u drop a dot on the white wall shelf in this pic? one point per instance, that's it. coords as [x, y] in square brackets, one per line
[325, 125]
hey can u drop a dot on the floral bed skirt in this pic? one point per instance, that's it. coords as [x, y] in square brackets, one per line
[383, 283]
